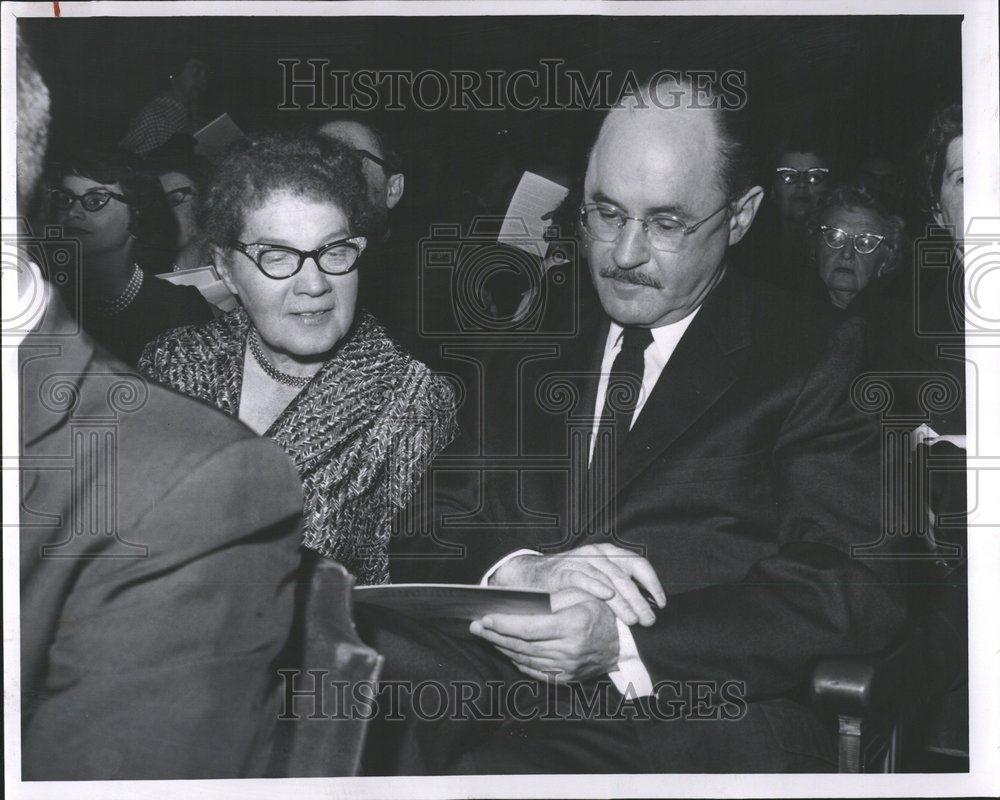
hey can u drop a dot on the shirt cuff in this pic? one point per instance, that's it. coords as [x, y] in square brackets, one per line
[631, 678]
[489, 573]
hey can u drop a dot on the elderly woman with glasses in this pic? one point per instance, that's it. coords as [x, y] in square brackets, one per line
[298, 362]
[854, 241]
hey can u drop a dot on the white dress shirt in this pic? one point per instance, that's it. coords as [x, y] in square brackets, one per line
[631, 678]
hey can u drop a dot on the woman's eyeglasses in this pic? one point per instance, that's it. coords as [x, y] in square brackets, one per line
[863, 243]
[94, 200]
[813, 177]
[279, 262]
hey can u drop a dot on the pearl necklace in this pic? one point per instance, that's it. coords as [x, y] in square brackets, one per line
[272, 372]
[117, 305]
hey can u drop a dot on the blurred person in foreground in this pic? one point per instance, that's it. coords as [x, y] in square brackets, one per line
[126, 234]
[158, 553]
[299, 362]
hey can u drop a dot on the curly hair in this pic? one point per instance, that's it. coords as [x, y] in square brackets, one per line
[853, 196]
[302, 162]
[945, 126]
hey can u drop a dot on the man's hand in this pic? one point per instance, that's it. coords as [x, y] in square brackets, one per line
[604, 570]
[577, 641]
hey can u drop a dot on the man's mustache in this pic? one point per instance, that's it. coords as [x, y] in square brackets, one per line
[632, 276]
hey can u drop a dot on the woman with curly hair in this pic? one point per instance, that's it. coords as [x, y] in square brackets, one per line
[298, 361]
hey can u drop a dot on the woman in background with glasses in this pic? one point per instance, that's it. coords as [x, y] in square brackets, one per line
[298, 362]
[122, 234]
[854, 241]
[181, 173]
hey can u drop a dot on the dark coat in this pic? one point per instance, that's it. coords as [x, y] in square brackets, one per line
[747, 480]
[159, 553]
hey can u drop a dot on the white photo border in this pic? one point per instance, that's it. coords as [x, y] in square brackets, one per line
[980, 90]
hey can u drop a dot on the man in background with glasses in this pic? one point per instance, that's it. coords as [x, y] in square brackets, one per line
[381, 164]
[715, 481]
[389, 288]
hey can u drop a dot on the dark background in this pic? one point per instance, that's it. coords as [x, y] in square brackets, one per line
[870, 82]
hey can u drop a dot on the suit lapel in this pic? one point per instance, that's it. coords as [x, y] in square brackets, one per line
[704, 365]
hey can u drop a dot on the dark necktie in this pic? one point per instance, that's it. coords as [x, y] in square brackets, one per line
[624, 386]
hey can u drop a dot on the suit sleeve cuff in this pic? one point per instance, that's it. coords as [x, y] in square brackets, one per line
[631, 678]
[489, 573]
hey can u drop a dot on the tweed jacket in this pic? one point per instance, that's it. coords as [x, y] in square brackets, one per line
[361, 433]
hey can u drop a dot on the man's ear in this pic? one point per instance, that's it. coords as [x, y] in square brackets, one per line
[744, 211]
[221, 262]
[394, 190]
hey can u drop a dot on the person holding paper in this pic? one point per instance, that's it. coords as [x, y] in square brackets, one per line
[174, 111]
[694, 484]
[298, 361]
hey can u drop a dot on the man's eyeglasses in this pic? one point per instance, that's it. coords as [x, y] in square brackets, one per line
[863, 243]
[94, 200]
[813, 177]
[388, 166]
[663, 231]
[180, 195]
[279, 262]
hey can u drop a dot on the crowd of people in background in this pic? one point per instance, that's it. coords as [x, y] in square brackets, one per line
[837, 229]
[332, 351]
[828, 229]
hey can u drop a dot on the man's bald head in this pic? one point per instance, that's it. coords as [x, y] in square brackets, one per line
[671, 103]
[380, 164]
[354, 134]
[658, 167]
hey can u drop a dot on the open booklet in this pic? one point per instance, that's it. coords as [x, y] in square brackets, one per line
[450, 605]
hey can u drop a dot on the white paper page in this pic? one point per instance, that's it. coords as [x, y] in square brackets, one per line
[205, 280]
[217, 135]
[523, 226]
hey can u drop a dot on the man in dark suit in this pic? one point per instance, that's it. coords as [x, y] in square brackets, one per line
[698, 441]
[158, 554]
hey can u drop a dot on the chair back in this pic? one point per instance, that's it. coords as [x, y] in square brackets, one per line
[326, 704]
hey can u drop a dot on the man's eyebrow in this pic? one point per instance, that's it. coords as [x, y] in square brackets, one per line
[600, 197]
[674, 209]
[955, 169]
